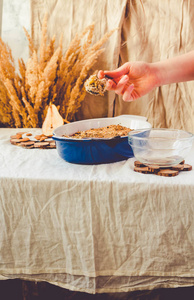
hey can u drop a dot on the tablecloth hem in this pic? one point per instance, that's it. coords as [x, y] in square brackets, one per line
[94, 274]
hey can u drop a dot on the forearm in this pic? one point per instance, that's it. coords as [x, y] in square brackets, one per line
[173, 70]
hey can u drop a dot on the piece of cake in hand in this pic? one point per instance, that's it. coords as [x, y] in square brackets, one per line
[95, 86]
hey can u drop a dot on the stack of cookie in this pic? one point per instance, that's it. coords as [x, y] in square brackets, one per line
[27, 140]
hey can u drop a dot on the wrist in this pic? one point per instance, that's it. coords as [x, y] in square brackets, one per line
[159, 74]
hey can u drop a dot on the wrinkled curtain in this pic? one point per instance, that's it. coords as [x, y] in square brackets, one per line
[162, 29]
[149, 30]
[72, 16]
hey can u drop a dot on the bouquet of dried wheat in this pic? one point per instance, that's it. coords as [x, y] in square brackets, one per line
[49, 76]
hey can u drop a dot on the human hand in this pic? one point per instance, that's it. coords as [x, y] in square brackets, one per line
[132, 80]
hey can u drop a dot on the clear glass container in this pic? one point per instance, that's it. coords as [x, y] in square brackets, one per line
[164, 147]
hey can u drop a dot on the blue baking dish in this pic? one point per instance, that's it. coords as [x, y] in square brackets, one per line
[96, 150]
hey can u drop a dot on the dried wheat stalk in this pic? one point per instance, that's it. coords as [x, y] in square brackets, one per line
[49, 76]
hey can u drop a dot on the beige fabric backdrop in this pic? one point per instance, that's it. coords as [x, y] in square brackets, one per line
[164, 29]
[72, 16]
[155, 31]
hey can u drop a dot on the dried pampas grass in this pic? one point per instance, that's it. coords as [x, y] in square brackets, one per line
[49, 76]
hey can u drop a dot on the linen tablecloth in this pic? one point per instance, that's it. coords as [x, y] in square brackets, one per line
[93, 228]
